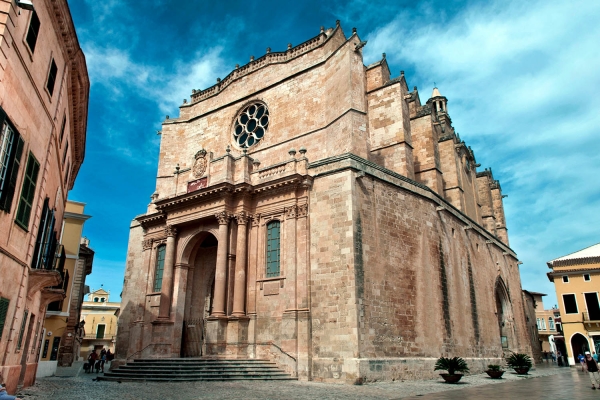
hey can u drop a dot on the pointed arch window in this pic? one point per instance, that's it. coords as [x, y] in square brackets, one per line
[273, 248]
[160, 266]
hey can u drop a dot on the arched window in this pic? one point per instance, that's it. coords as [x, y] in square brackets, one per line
[95, 299]
[160, 266]
[102, 299]
[273, 249]
[551, 323]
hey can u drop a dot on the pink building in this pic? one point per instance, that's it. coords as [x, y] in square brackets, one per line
[44, 91]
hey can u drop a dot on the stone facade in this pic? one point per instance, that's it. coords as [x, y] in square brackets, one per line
[44, 91]
[310, 210]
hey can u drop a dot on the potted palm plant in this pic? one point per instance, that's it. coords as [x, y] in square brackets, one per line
[452, 365]
[519, 362]
[495, 371]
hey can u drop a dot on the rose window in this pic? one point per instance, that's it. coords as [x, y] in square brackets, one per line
[251, 125]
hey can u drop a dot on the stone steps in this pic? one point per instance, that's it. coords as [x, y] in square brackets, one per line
[196, 369]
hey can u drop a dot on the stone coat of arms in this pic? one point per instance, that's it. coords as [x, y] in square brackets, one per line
[200, 164]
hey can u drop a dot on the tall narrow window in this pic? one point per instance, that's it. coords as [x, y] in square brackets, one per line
[22, 330]
[11, 148]
[551, 323]
[160, 266]
[44, 253]
[570, 304]
[28, 192]
[100, 331]
[65, 152]
[51, 77]
[32, 32]
[273, 249]
[3, 311]
[62, 129]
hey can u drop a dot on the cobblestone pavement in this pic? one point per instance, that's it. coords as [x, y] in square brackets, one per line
[545, 382]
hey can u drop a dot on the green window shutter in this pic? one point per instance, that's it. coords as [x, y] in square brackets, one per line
[160, 266]
[6, 201]
[273, 249]
[28, 192]
[22, 330]
[3, 312]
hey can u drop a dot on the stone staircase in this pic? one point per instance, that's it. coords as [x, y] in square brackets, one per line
[196, 369]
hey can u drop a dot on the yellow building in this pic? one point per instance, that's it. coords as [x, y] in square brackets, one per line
[100, 317]
[61, 338]
[548, 323]
[576, 278]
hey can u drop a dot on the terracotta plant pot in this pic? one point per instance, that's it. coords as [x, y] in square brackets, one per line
[451, 378]
[521, 370]
[494, 374]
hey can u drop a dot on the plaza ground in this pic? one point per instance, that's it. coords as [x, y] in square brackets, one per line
[544, 382]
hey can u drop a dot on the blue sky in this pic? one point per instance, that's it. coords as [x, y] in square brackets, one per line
[521, 80]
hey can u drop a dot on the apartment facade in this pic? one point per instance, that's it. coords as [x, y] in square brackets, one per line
[576, 278]
[44, 90]
[62, 334]
[100, 317]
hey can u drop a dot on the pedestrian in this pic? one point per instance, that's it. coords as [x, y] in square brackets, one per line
[546, 355]
[553, 355]
[4, 394]
[581, 359]
[102, 361]
[592, 368]
[559, 358]
[594, 355]
[92, 358]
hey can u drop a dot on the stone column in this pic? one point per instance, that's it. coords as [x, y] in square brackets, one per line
[239, 288]
[221, 272]
[167, 280]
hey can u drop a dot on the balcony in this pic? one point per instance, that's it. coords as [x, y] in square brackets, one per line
[94, 336]
[593, 317]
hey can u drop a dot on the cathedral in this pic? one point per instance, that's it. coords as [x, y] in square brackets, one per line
[312, 211]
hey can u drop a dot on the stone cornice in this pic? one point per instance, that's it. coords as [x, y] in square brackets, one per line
[353, 162]
[78, 86]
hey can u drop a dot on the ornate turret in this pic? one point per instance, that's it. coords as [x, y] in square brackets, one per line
[438, 102]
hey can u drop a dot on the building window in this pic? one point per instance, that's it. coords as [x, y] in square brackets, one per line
[251, 125]
[3, 311]
[44, 253]
[67, 172]
[160, 266]
[565, 278]
[586, 277]
[32, 32]
[55, 345]
[62, 129]
[541, 324]
[570, 304]
[22, 330]
[102, 299]
[28, 192]
[556, 315]
[551, 323]
[273, 249]
[95, 299]
[65, 153]
[51, 77]
[11, 149]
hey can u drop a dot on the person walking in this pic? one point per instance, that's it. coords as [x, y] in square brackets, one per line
[546, 355]
[553, 355]
[559, 358]
[581, 359]
[592, 368]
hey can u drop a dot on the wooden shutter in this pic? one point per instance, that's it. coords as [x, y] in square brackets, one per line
[3, 312]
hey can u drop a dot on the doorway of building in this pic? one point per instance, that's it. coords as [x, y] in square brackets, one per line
[199, 298]
[504, 315]
[579, 345]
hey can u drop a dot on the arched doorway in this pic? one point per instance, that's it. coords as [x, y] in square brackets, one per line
[504, 314]
[199, 294]
[579, 345]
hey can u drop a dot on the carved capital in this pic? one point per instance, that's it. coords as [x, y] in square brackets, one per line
[147, 244]
[291, 212]
[242, 218]
[223, 217]
[302, 210]
[255, 219]
[170, 230]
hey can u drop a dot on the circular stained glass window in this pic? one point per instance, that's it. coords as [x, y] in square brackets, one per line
[251, 125]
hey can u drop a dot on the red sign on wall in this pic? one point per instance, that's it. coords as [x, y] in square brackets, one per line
[197, 184]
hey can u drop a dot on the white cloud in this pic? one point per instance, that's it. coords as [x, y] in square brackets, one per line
[521, 80]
